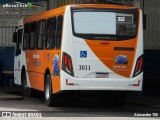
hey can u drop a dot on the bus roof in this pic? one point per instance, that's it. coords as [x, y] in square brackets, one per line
[103, 6]
[44, 15]
[61, 10]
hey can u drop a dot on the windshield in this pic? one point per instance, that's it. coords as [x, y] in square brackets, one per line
[104, 23]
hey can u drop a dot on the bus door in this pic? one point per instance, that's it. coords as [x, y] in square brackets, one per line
[17, 64]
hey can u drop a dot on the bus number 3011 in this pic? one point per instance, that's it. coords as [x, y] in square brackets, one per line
[84, 67]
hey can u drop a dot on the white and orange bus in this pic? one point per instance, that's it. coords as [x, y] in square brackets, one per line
[80, 48]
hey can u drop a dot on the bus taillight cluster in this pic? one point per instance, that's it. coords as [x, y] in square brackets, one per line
[67, 64]
[139, 66]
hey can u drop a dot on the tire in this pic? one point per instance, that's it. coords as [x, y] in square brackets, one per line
[50, 99]
[27, 92]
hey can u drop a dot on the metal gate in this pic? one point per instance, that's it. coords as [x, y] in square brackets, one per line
[152, 32]
[6, 34]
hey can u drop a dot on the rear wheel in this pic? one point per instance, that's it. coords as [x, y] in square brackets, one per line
[50, 99]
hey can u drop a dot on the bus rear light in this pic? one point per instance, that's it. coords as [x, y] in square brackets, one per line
[67, 83]
[141, 62]
[139, 66]
[137, 84]
[67, 64]
[65, 59]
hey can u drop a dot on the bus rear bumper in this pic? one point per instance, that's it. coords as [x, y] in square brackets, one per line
[109, 84]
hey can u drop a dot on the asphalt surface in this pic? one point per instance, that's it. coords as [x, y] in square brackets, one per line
[84, 107]
[89, 108]
[11, 94]
[81, 107]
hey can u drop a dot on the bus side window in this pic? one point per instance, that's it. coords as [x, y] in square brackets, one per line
[51, 32]
[41, 34]
[59, 31]
[18, 43]
[33, 35]
[26, 37]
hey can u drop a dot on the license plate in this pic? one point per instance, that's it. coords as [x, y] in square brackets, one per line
[102, 75]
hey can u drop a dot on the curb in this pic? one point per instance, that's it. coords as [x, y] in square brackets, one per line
[12, 98]
[5, 96]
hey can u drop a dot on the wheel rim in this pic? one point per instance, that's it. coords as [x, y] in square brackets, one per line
[47, 89]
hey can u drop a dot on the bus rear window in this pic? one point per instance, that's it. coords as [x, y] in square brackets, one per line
[104, 23]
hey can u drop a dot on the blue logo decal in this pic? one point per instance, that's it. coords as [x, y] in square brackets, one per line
[121, 59]
[83, 54]
[55, 65]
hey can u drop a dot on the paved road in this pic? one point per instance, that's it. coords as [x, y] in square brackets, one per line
[84, 108]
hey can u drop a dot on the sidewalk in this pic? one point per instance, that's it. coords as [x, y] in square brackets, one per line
[10, 94]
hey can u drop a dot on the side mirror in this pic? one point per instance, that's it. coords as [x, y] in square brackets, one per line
[14, 37]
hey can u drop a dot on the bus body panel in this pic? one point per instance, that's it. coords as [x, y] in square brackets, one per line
[20, 60]
[103, 54]
[140, 41]
[37, 63]
[111, 84]
[18, 72]
[86, 79]
[67, 44]
[17, 61]
[100, 59]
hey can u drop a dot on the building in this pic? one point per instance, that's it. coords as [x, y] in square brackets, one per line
[11, 12]
[56, 3]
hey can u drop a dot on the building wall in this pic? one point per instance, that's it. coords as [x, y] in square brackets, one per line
[6, 33]
[152, 32]
[58, 3]
[9, 19]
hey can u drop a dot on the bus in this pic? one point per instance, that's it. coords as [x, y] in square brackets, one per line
[95, 48]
